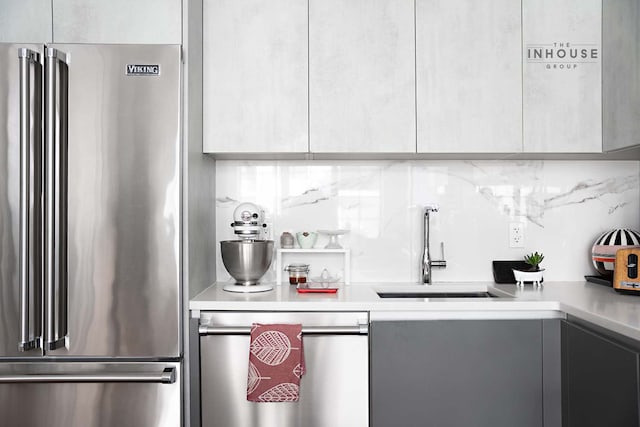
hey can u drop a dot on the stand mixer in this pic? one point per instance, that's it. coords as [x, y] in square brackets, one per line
[248, 258]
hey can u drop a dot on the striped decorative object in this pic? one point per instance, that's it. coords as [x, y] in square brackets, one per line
[603, 253]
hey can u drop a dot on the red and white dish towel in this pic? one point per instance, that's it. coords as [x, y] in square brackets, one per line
[276, 363]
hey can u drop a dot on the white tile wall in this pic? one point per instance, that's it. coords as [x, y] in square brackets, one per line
[564, 206]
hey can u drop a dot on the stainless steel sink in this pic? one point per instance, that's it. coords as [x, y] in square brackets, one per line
[428, 294]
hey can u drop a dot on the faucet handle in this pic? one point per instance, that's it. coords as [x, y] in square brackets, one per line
[440, 262]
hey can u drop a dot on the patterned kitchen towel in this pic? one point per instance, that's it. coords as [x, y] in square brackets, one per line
[276, 363]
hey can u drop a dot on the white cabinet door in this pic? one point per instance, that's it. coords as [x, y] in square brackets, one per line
[362, 76]
[620, 74]
[469, 76]
[25, 21]
[117, 21]
[562, 76]
[255, 76]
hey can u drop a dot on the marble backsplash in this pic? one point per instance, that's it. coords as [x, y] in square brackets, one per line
[563, 205]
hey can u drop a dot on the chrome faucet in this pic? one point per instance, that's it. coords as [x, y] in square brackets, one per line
[427, 262]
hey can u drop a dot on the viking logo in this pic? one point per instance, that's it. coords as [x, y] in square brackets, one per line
[143, 70]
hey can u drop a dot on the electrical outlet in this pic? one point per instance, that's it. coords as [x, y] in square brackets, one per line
[516, 235]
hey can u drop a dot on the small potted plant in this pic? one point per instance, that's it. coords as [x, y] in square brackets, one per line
[534, 273]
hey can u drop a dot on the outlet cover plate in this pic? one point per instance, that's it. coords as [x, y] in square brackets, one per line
[516, 235]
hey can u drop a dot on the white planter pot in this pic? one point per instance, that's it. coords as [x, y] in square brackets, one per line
[528, 276]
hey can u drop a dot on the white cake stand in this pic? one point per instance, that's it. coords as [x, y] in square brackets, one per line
[333, 238]
[238, 287]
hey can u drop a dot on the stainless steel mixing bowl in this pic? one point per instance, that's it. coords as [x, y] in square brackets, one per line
[247, 260]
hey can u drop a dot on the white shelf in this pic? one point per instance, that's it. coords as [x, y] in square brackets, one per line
[345, 252]
[319, 250]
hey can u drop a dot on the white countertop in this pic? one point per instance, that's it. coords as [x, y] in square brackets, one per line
[591, 302]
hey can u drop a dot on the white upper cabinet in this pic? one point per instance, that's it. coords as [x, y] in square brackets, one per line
[25, 21]
[362, 76]
[620, 74]
[255, 76]
[419, 76]
[117, 21]
[469, 76]
[562, 76]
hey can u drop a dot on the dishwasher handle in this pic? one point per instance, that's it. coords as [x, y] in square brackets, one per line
[360, 329]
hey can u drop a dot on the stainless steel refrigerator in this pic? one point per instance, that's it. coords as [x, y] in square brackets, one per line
[90, 235]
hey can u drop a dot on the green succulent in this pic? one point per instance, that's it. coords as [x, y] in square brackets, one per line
[534, 260]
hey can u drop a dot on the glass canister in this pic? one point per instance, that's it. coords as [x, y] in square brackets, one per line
[297, 273]
[286, 240]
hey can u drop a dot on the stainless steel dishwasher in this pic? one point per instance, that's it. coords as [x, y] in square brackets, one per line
[334, 391]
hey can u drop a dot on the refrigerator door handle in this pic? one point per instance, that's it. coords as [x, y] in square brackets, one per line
[55, 196]
[167, 376]
[29, 155]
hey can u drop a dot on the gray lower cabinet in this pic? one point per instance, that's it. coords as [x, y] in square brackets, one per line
[452, 373]
[600, 380]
